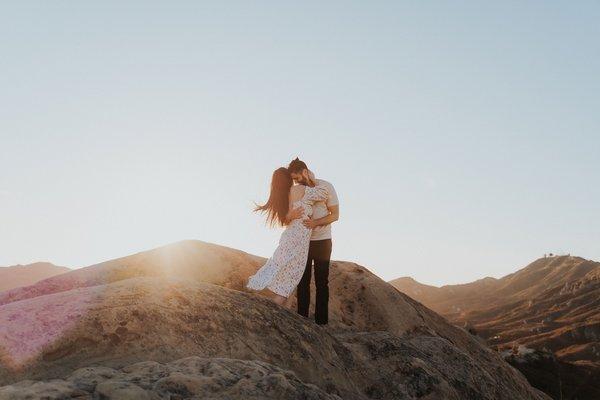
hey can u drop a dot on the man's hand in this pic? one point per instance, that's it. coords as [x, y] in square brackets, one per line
[296, 213]
[310, 223]
[334, 215]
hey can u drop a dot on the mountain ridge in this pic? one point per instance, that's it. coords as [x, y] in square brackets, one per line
[551, 307]
[27, 274]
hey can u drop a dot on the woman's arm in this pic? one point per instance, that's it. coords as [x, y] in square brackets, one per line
[294, 213]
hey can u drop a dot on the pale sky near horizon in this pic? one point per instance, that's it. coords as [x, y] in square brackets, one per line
[463, 138]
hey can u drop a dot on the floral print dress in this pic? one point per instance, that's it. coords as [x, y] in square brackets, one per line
[284, 269]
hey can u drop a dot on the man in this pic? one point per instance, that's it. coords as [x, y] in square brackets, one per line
[324, 213]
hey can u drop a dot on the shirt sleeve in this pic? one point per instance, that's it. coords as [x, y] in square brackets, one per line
[332, 198]
[317, 193]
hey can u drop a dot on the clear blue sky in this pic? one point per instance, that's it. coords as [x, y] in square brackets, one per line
[463, 138]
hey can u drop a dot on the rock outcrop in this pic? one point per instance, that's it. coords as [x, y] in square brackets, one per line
[187, 300]
[191, 377]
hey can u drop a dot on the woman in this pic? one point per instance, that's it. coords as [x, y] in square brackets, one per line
[284, 269]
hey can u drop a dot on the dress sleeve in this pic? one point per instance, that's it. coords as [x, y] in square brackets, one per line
[317, 193]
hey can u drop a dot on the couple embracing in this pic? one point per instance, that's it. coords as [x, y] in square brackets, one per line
[306, 209]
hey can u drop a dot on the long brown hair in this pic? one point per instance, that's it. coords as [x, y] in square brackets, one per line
[278, 204]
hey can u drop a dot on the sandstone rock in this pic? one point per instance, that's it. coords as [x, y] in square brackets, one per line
[420, 367]
[191, 377]
[50, 390]
[134, 315]
[121, 390]
[159, 319]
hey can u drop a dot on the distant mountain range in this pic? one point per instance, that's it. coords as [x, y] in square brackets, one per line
[25, 275]
[546, 314]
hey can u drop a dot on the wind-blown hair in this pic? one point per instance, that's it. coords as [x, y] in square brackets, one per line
[278, 204]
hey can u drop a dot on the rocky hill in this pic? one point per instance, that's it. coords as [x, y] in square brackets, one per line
[175, 322]
[551, 306]
[25, 275]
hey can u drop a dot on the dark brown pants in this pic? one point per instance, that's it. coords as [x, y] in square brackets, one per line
[319, 252]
